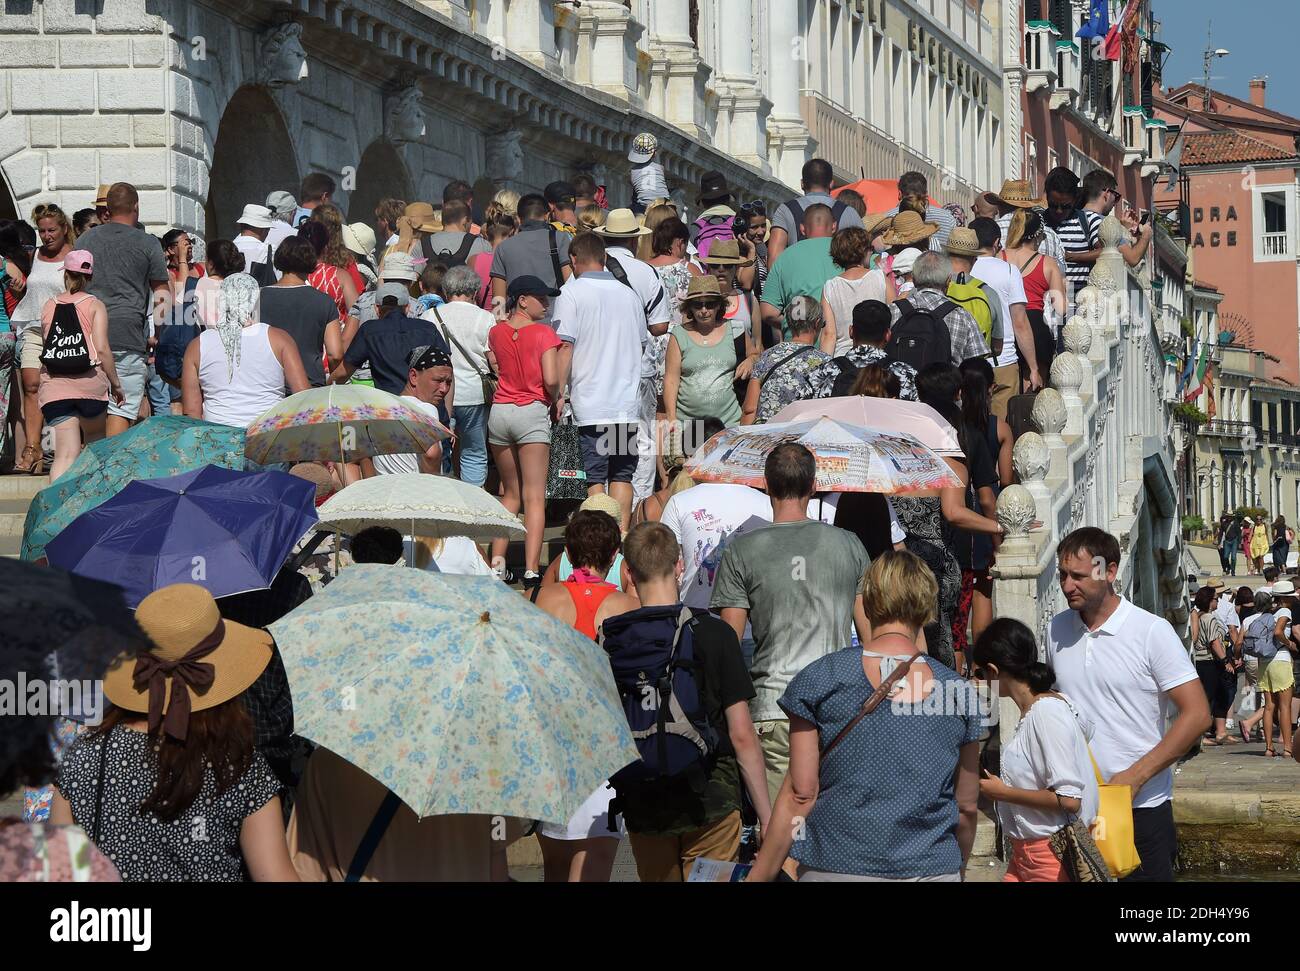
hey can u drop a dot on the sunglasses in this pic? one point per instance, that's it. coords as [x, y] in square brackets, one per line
[752, 209]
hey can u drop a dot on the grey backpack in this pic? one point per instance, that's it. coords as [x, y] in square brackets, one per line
[1259, 641]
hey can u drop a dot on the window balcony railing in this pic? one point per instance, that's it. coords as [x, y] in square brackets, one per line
[1276, 244]
[1040, 56]
[1069, 78]
[1227, 429]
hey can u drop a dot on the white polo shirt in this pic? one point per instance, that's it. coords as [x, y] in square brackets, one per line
[1006, 280]
[605, 323]
[1119, 677]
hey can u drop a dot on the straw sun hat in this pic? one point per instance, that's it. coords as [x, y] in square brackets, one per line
[908, 228]
[621, 224]
[199, 660]
[1016, 193]
[703, 288]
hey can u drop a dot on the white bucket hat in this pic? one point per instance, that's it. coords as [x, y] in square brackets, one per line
[258, 217]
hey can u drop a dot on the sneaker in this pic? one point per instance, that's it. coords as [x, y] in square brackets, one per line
[505, 576]
[532, 581]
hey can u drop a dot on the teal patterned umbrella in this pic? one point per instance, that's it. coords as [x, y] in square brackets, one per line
[154, 449]
[455, 692]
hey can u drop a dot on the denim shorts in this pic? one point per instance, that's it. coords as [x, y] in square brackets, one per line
[609, 453]
[133, 372]
[57, 412]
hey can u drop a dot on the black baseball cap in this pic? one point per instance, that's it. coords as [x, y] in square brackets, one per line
[561, 194]
[529, 286]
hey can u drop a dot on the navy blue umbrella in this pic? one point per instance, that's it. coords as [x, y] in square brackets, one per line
[225, 530]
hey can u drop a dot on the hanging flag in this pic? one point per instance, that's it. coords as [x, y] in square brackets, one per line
[1210, 409]
[1201, 368]
[1098, 22]
[1191, 367]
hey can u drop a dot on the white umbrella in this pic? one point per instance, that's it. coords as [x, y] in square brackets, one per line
[419, 504]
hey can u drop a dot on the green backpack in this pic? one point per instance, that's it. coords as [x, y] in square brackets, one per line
[971, 296]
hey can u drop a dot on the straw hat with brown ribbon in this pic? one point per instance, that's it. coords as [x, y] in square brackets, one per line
[908, 228]
[1016, 193]
[199, 660]
[725, 252]
[621, 224]
[421, 216]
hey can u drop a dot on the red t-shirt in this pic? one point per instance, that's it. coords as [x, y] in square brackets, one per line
[519, 362]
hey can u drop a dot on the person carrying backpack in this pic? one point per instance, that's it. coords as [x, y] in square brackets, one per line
[684, 684]
[717, 220]
[787, 221]
[927, 327]
[454, 245]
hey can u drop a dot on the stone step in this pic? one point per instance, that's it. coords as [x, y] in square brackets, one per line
[11, 546]
[13, 513]
[22, 486]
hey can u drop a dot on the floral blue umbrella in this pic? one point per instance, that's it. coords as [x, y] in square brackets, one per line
[455, 692]
[227, 531]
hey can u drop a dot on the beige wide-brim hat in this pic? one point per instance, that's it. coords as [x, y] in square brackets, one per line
[421, 213]
[1016, 193]
[963, 242]
[877, 221]
[725, 252]
[908, 228]
[1283, 588]
[360, 239]
[177, 619]
[621, 224]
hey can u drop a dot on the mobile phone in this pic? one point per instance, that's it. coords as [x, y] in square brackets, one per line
[1146, 218]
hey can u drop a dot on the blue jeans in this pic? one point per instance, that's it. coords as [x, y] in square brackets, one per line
[1230, 548]
[470, 425]
[160, 393]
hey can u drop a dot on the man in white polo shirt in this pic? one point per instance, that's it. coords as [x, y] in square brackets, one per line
[1122, 667]
[602, 325]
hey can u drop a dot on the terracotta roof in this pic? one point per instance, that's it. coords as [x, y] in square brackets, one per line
[1181, 94]
[1226, 147]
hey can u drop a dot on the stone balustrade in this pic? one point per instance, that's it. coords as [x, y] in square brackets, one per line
[1102, 456]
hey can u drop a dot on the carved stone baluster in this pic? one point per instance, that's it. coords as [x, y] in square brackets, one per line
[1048, 416]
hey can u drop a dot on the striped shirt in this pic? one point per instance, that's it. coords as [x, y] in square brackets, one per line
[1078, 235]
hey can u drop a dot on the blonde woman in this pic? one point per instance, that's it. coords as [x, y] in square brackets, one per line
[659, 212]
[504, 203]
[859, 824]
[591, 218]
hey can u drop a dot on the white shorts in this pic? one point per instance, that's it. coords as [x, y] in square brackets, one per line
[591, 821]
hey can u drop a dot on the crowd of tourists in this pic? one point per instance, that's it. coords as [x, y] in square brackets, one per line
[547, 330]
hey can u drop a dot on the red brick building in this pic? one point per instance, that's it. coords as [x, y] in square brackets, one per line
[1082, 110]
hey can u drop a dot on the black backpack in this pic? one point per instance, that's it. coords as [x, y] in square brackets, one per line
[66, 351]
[796, 210]
[446, 257]
[263, 271]
[921, 337]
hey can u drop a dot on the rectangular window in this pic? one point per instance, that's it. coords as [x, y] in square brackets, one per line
[898, 94]
[1272, 417]
[1274, 223]
[1256, 414]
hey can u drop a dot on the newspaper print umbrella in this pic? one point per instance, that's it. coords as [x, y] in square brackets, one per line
[849, 458]
[341, 423]
[454, 692]
[887, 415]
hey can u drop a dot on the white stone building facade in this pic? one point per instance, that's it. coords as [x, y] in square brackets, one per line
[206, 105]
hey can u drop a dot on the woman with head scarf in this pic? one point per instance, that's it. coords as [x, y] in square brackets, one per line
[234, 372]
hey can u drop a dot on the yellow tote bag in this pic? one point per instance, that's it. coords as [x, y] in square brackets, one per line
[1113, 830]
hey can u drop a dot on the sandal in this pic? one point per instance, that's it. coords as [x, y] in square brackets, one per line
[1269, 753]
[36, 465]
[1228, 740]
[1212, 742]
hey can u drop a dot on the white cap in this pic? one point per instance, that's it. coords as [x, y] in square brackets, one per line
[904, 261]
[259, 217]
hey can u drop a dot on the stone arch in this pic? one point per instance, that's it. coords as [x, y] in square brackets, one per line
[252, 156]
[381, 175]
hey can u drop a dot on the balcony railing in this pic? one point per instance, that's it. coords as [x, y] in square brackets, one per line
[1272, 437]
[1227, 429]
[1068, 77]
[853, 147]
[1276, 244]
[1040, 56]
